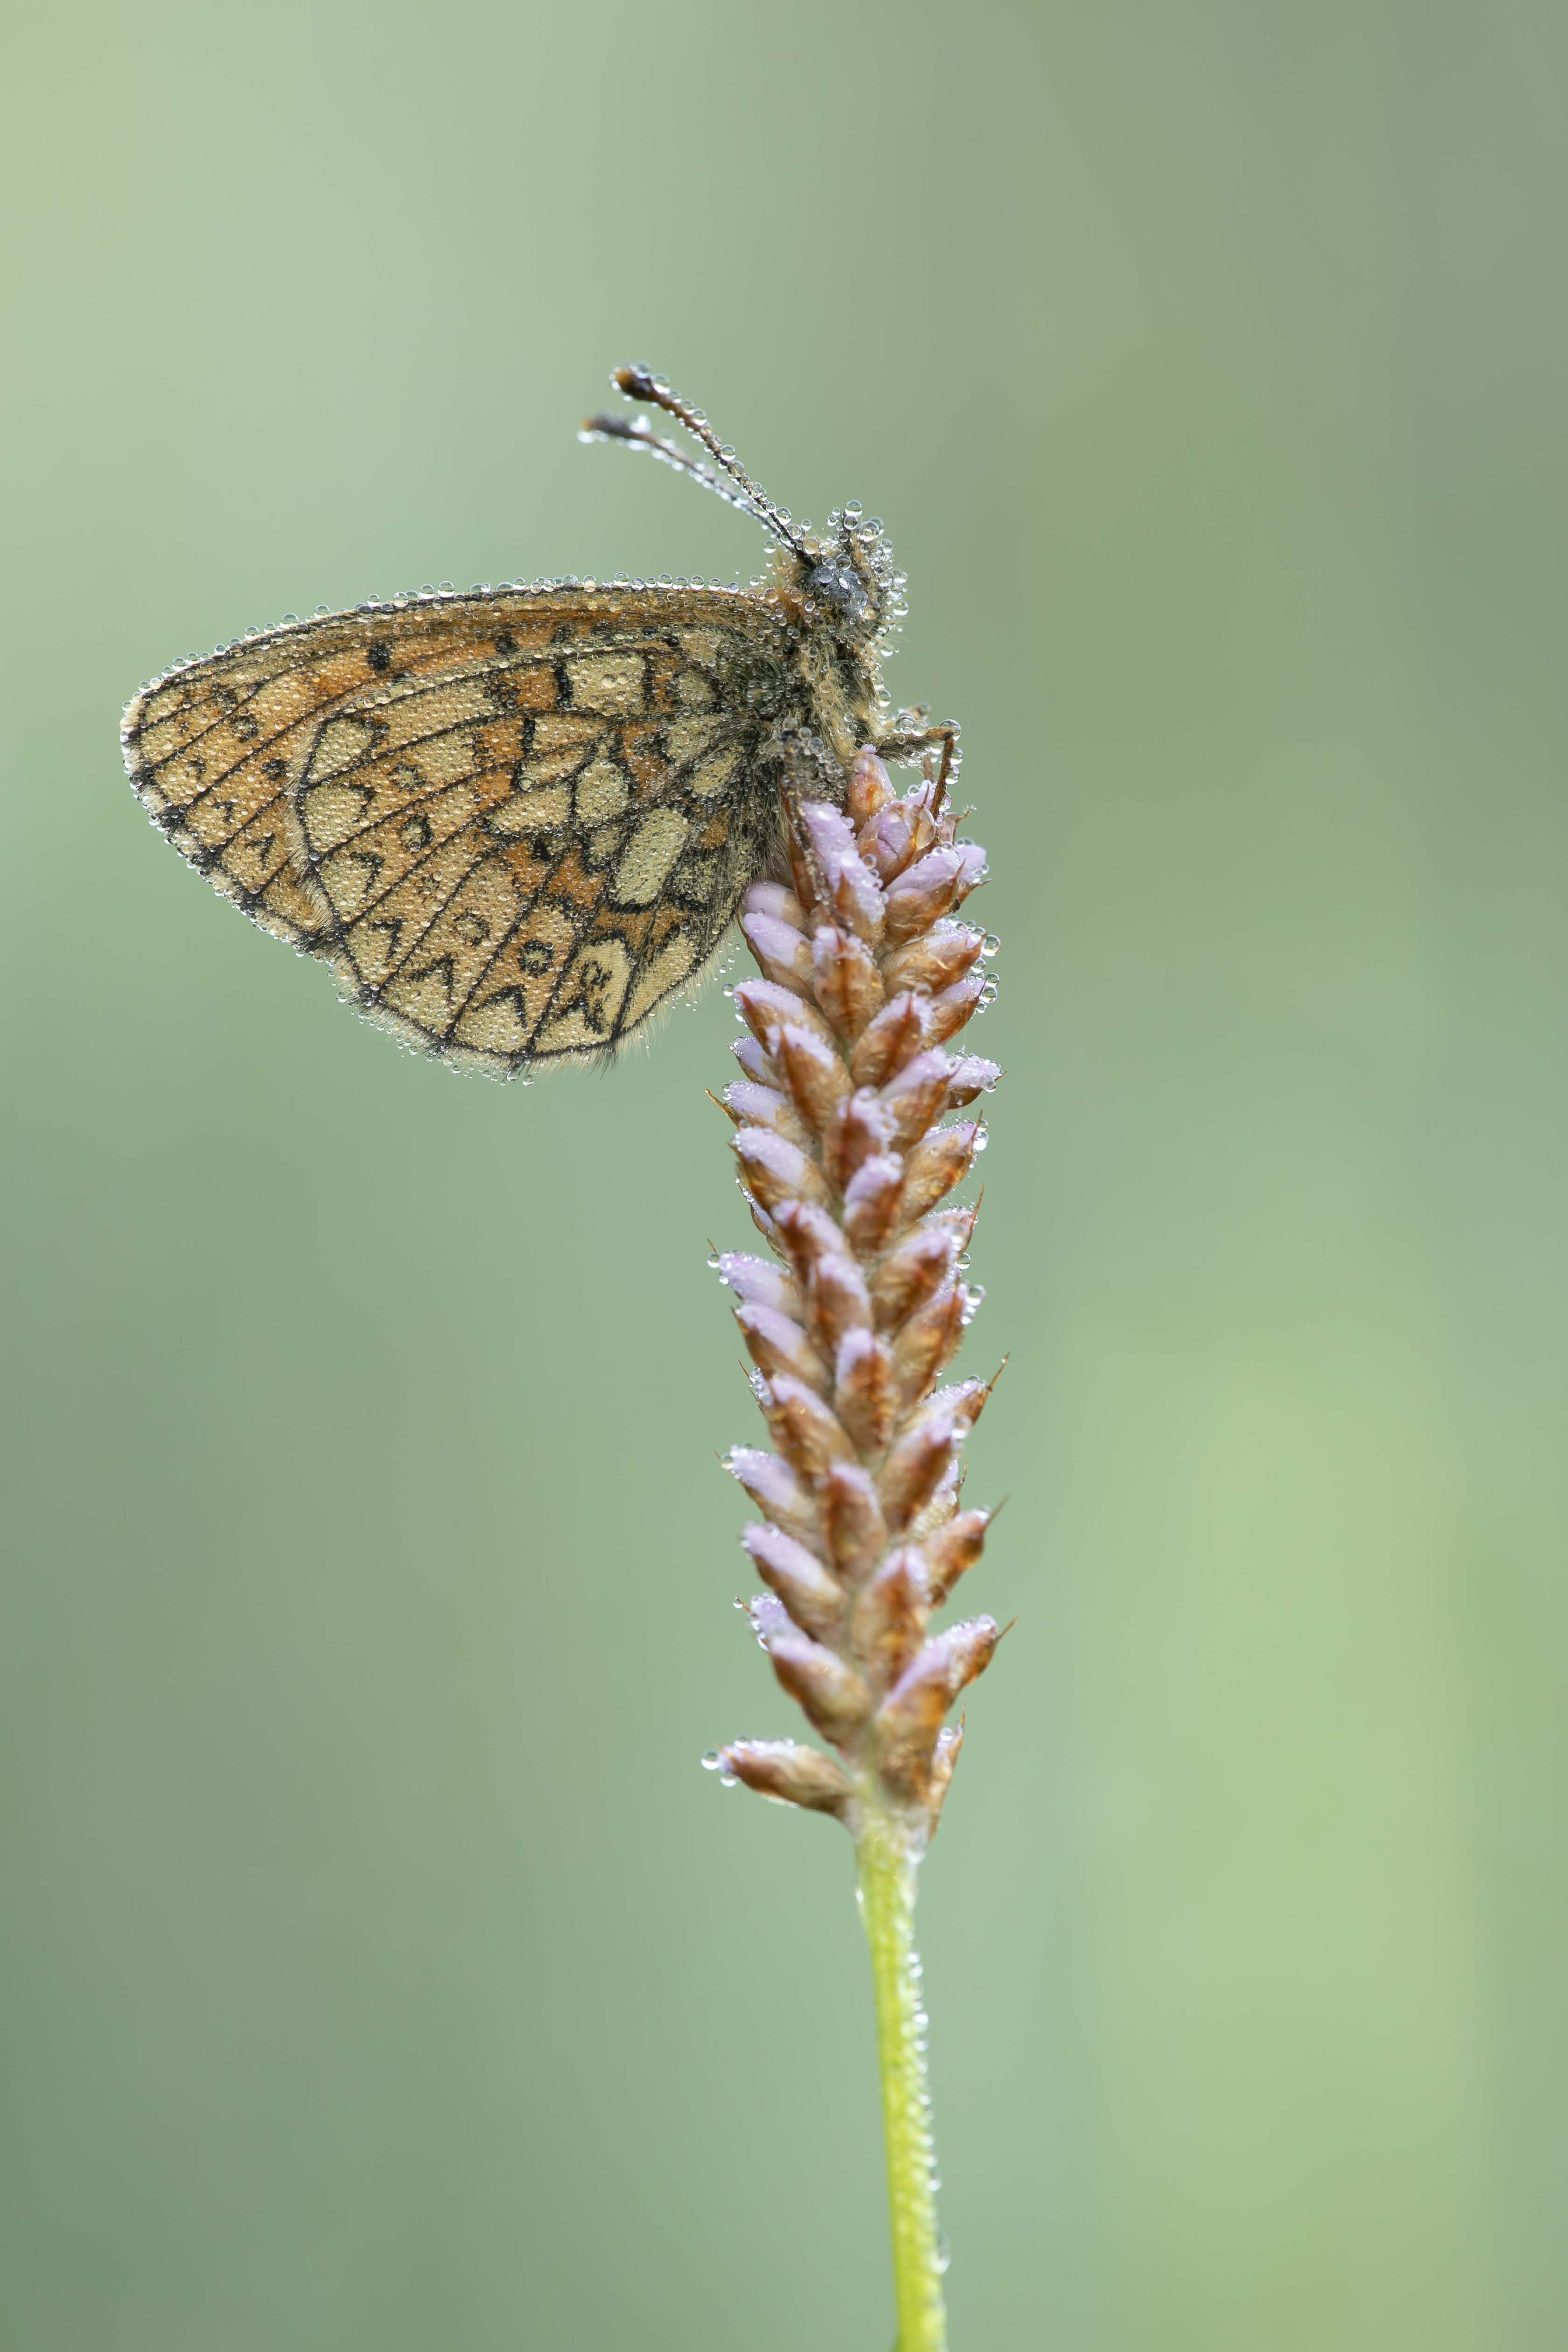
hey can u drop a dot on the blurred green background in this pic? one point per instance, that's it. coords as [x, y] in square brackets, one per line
[382, 1973]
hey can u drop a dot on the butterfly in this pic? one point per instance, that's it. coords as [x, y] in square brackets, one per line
[517, 821]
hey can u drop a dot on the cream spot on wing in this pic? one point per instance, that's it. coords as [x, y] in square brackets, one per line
[559, 749]
[556, 730]
[687, 737]
[465, 698]
[648, 856]
[426, 999]
[334, 811]
[701, 644]
[531, 812]
[496, 1026]
[409, 716]
[282, 702]
[349, 878]
[524, 979]
[602, 791]
[667, 970]
[182, 779]
[340, 743]
[257, 853]
[447, 758]
[590, 999]
[161, 738]
[714, 773]
[616, 684]
[210, 823]
[693, 691]
[699, 879]
[373, 949]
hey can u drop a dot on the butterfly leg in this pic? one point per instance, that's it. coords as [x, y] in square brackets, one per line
[907, 741]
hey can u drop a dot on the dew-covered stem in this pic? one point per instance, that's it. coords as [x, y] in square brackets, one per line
[886, 1873]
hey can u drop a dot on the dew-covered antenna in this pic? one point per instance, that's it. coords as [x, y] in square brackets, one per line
[739, 490]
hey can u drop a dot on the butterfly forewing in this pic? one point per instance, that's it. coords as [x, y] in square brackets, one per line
[515, 822]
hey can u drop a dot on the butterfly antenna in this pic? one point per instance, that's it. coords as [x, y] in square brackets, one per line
[641, 383]
[638, 436]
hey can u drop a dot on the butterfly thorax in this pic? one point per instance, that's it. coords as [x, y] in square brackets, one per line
[840, 597]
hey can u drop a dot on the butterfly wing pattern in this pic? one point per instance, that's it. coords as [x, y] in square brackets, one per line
[514, 822]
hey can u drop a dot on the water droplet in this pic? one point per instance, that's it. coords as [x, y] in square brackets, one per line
[943, 2254]
[992, 944]
[982, 1140]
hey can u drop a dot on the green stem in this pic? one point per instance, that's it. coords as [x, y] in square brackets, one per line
[887, 1860]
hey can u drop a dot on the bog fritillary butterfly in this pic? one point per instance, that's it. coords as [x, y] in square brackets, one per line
[516, 821]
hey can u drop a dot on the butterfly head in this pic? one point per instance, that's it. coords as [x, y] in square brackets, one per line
[849, 577]
[845, 581]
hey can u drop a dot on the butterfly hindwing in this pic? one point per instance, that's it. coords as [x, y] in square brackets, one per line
[515, 822]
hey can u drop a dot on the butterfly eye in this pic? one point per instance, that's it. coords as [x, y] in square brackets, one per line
[840, 584]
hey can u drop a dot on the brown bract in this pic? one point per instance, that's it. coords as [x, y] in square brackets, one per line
[848, 1155]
